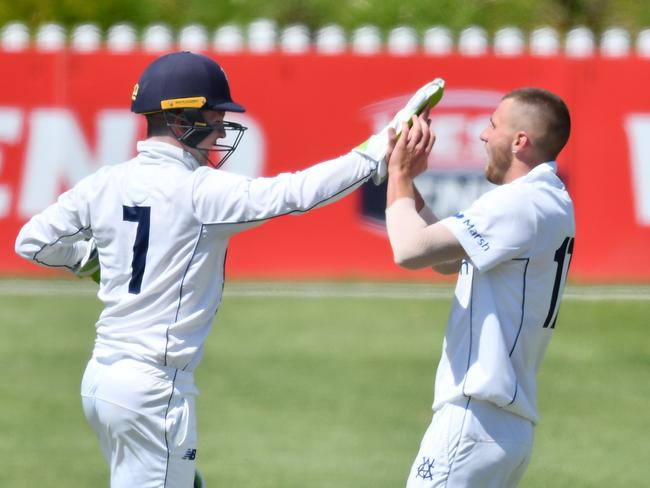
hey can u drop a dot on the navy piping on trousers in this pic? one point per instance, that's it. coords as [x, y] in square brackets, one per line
[171, 394]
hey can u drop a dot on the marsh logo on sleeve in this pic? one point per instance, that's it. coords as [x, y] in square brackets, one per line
[471, 228]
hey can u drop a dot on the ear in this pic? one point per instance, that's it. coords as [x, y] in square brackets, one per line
[520, 141]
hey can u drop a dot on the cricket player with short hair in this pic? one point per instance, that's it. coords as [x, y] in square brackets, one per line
[158, 227]
[511, 249]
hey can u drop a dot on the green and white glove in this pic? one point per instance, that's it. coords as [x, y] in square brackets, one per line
[89, 264]
[377, 145]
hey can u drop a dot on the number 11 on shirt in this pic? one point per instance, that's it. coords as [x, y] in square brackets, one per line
[560, 278]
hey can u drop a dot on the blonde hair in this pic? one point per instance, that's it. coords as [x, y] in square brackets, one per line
[554, 119]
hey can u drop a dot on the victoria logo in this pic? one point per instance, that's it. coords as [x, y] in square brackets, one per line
[425, 469]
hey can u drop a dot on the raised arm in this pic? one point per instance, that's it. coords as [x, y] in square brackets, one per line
[416, 237]
[226, 198]
[239, 203]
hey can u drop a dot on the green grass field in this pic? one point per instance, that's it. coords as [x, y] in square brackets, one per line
[321, 391]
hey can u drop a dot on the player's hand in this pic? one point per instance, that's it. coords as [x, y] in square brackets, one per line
[410, 152]
[378, 147]
[89, 265]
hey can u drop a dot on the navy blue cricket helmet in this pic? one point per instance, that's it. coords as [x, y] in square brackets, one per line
[181, 86]
[183, 80]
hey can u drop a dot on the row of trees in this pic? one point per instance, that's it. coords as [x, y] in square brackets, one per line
[455, 14]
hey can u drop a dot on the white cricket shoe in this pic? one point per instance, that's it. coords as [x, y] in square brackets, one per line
[376, 146]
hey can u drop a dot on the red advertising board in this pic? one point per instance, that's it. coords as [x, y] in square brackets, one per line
[63, 114]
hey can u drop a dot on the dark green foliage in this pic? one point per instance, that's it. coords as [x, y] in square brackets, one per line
[490, 14]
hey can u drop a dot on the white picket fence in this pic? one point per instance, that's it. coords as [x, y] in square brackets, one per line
[264, 36]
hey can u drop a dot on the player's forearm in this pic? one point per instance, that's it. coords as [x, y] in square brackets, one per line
[400, 185]
[316, 186]
[450, 267]
[425, 212]
[412, 256]
[53, 237]
[416, 244]
[237, 203]
[404, 226]
[38, 245]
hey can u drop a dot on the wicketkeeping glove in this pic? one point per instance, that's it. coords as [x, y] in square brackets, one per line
[377, 145]
[89, 265]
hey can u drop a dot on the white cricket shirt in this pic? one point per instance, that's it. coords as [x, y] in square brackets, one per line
[519, 239]
[162, 225]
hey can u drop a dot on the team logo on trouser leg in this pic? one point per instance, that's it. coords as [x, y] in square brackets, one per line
[424, 469]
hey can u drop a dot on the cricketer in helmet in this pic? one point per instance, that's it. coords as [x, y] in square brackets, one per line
[186, 95]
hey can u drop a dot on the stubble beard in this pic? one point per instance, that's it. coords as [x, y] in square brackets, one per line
[499, 161]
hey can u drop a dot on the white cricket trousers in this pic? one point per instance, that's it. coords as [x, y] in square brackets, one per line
[144, 416]
[472, 444]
